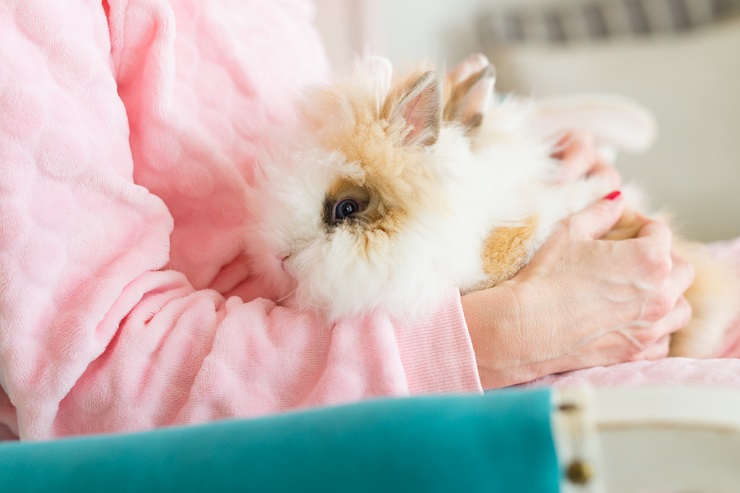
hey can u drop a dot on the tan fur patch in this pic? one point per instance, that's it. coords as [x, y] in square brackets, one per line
[713, 297]
[506, 250]
[395, 179]
[387, 185]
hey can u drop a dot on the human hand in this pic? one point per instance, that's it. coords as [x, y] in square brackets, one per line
[582, 302]
[580, 158]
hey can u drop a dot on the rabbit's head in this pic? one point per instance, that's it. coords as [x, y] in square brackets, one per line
[361, 203]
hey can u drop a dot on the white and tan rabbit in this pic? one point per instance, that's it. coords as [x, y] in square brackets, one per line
[387, 195]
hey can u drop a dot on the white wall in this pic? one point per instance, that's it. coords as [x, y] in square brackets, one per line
[405, 31]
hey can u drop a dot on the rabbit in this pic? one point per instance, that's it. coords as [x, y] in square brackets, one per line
[384, 195]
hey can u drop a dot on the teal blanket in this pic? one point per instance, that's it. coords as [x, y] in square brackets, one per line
[499, 442]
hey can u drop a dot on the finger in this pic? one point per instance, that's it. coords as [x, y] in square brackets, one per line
[605, 173]
[650, 247]
[676, 319]
[668, 282]
[682, 274]
[572, 141]
[655, 231]
[608, 349]
[596, 220]
[657, 350]
[577, 155]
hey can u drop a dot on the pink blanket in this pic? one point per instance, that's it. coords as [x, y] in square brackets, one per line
[128, 129]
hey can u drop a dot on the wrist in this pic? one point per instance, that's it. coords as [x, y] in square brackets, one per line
[511, 334]
[492, 317]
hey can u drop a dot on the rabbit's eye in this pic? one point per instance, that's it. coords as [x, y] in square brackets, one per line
[346, 204]
[344, 209]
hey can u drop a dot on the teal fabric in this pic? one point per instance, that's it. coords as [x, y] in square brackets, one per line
[499, 442]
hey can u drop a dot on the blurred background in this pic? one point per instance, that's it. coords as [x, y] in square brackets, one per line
[680, 58]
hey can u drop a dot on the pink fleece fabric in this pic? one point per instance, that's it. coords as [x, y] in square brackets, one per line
[128, 129]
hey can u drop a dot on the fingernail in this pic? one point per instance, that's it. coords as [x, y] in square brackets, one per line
[613, 195]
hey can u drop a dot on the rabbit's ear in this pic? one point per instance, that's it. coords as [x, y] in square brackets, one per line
[615, 121]
[471, 91]
[378, 71]
[418, 105]
[472, 65]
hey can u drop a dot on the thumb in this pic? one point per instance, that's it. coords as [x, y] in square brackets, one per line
[598, 219]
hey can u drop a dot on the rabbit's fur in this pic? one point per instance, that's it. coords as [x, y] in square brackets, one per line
[388, 195]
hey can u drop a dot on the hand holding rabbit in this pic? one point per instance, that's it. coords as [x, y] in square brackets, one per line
[630, 295]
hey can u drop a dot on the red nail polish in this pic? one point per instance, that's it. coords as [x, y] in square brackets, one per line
[613, 195]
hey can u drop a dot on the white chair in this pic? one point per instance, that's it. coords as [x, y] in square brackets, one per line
[628, 440]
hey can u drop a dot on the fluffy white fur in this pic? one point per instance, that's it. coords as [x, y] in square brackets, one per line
[497, 179]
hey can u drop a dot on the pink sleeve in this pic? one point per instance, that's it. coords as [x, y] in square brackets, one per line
[184, 356]
[126, 132]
